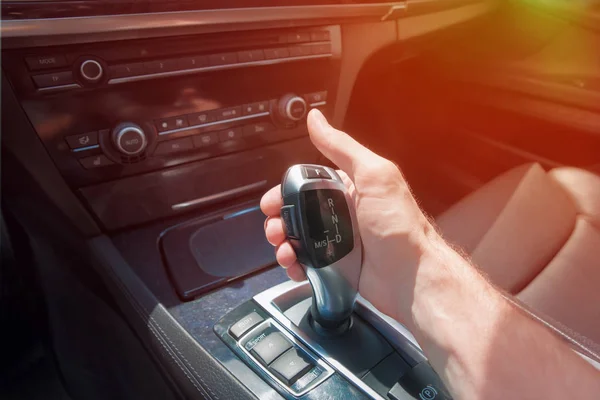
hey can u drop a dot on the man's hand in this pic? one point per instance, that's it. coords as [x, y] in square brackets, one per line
[482, 346]
[392, 227]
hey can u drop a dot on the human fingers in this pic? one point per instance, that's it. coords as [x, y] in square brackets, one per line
[274, 230]
[271, 202]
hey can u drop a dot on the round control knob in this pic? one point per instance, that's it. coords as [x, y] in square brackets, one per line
[91, 71]
[129, 139]
[292, 107]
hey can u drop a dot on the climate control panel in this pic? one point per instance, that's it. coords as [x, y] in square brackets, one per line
[230, 127]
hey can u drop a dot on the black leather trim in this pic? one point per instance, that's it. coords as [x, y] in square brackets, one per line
[196, 372]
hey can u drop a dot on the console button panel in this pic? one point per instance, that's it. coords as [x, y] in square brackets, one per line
[273, 352]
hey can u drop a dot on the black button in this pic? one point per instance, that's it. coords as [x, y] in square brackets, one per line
[230, 134]
[131, 141]
[95, 161]
[174, 146]
[250, 56]
[168, 124]
[300, 51]
[245, 324]
[256, 108]
[289, 221]
[228, 113]
[271, 347]
[201, 118]
[206, 139]
[297, 109]
[191, 62]
[291, 366]
[280, 52]
[385, 374]
[324, 48]
[298, 37]
[45, 62]
[316, 173]
[91, 70]
[320, 36]
[316, 97]
[421, 382]
[258, 128]
[222, 59]
[125, 70]
[83, 140]
[155, 67]
[54, 79]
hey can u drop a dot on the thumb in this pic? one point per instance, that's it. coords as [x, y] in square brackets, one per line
[337, 146]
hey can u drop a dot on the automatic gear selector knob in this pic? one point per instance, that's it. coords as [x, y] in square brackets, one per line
[320, 223]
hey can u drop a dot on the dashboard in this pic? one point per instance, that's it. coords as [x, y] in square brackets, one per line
[154, 126]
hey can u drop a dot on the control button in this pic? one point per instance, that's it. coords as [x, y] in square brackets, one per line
[201, 118]
[324, 48]
[206, 139]
[280, 52]
[316, 173]
[191, 62]
[250, 56]
[245, 324]
[271, 347]
[307, 379]
[299, 37]
[222, 59]
[291, 366]
[54, 79]
[228, 113]
[421, 382]
[155, 67]
[125, 70]
[258, 128]
[289, 221]
[44, 62]
[384, 375]
[292, 107]
[82, 140]
[316, 97]
[320, 36]
[300, 51]
[91, 71]
[256, 108]
[174, 146]
[169, 124]
[95, 161]
[230, 134]
[129, 139]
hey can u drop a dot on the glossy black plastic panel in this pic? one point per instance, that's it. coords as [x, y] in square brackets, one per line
[204, 253]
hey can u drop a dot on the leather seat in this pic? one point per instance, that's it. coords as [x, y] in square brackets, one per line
[536, 234]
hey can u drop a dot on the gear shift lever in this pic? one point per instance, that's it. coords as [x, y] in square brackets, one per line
[320, 223]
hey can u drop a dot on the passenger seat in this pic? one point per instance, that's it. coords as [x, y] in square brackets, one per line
[536, 234]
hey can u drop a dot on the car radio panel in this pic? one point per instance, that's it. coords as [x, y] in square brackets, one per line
[113, 111]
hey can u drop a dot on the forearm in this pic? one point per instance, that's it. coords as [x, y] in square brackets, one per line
[484, 347]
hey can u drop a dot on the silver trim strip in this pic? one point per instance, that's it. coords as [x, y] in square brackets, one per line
[94, 146]
[215, 68]
[218, 196]
[286, 294]
[110, 27]
[270, 322]
[318, 104]
[57, 88]
[224, 121]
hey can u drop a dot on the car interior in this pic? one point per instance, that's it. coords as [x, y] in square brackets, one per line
[138, 137]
